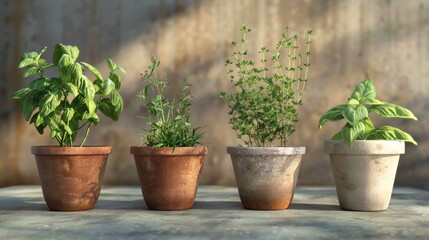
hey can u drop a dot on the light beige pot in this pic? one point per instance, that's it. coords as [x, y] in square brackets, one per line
[266, 176]
[365, 173]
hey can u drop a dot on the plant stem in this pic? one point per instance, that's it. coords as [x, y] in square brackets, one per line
[86, 135]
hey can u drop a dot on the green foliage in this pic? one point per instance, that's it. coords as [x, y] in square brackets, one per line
[168, 120]
[67, 103]
[263, 105]
[359, 125]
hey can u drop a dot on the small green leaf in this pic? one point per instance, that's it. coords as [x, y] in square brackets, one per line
[389, 110]
[70, 87]
[107, 87]
[74, 53]
[30, 71]
[86, 88]
[94, 71]
[91, 106]
[116, 79]
[333, 114]
[29, 104]
[27, 62]
[68, 114]
[351, 132]
[364, 90]
[111, 65]
[338, 136]
[354, 113]
[21, 93]
[390, 133]
[108, 109]
[53, 134]
[38, 84]
[371, 101]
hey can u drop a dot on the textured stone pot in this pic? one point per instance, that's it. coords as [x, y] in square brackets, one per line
[169, 180]
[365, 173]
[266, 176]
[71, 176]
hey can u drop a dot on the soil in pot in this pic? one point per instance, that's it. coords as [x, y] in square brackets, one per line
[71, 176]
[169, 180]
[365, 173]
[266, 176]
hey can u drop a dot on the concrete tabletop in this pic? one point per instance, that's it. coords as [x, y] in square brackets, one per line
[217, 214]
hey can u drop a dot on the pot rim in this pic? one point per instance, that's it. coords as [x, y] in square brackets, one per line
[181, 151]
[363, 147]
[58, 150]
[273, 151]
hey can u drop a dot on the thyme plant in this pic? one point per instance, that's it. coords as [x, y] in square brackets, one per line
[359, 125]
[168, 119]
[263, 105]
[69, 102]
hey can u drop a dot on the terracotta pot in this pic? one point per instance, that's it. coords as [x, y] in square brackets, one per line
[266, 176]
[365, 173]
[71, 176]
[169, 180]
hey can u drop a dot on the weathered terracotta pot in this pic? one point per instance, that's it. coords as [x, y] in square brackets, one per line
[365, 173]
[169, 180]
[71, 176]
[266, 176]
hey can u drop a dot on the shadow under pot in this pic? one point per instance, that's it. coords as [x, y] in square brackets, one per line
[169, 179]
[71, 176]
[266, 176]
[364, 174]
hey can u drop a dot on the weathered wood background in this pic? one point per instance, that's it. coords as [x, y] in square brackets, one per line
[389, 40]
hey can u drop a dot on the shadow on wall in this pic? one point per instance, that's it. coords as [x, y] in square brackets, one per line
[192, 38]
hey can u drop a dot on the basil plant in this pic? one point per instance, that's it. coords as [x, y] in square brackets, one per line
[359, 125]
[70, 101]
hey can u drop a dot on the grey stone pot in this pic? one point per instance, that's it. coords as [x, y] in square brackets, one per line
[266, 176]
[365, 173]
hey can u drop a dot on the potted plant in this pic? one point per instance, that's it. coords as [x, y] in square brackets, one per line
[263, 112]
[70, 174]
[170, 163]
[364, 158]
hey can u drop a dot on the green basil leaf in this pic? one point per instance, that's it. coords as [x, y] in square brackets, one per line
[27, 62]
[371, 101]
[111, 65]
[117, 101]
[30, 71]
[74, 53]
[30, 55]
[70, 87]
[94, 71]
[369, 126]
[53, 134]
[91, 106]
[351, 132]
[390, 133]
[333, 114]
[38, 84]
[116, 79]
[21, 93]
[68, 114]
[29, 104]
[354, 113]
[389, 110]
[364, 90]
[107, 87]
[106, 107]
[338, 136]
[86, 88]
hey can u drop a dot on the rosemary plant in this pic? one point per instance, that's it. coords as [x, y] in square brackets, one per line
[263, 105]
